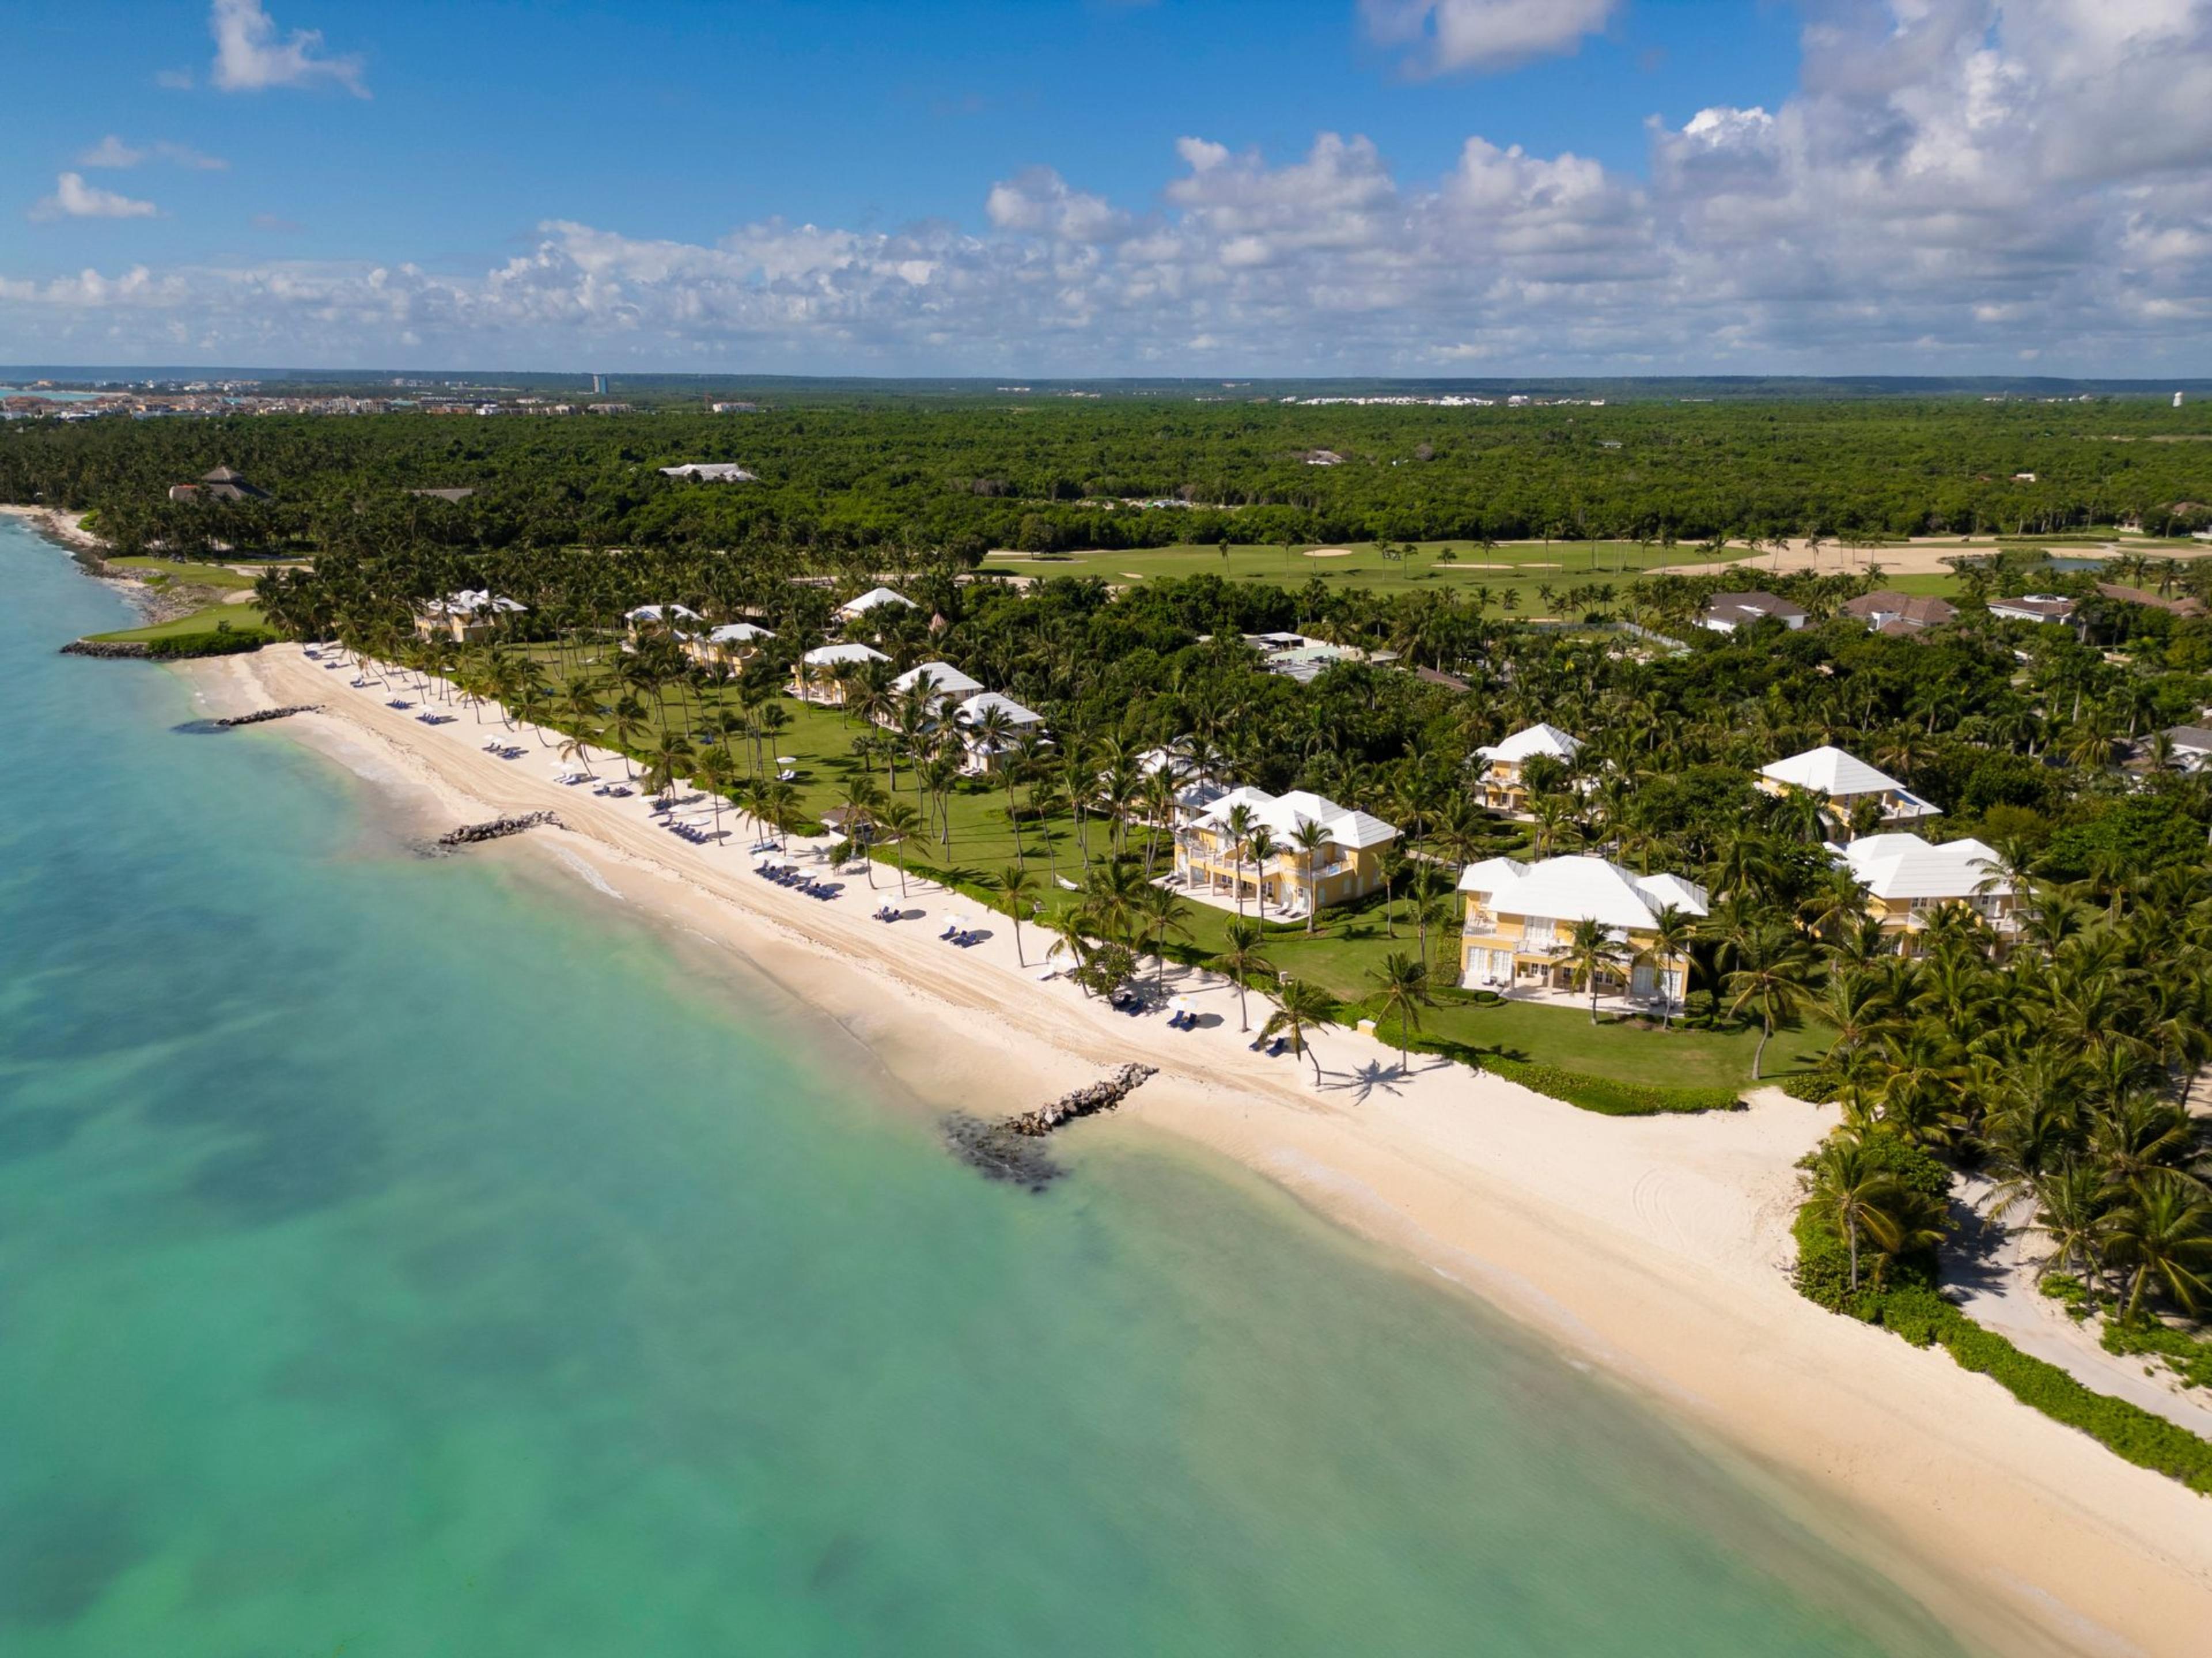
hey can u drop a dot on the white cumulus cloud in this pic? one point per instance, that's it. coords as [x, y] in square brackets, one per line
[73, 198]
[249, 56]
[1955, 182]
[1483, 35]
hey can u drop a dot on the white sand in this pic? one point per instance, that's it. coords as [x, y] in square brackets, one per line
[1328, 552]
[1655, 1247]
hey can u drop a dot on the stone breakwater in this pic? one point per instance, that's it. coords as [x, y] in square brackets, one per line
[1010, 1150]
[261, 715]
[107, 649]
[469, 833]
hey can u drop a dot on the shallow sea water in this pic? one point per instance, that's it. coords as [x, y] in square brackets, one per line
[407, 1257]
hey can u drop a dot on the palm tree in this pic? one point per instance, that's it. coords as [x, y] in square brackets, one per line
[670, 753]
[1257, 849]
[1856, 1196]
[714, 774]
[1238, 825]
[1775, 973]
[1165, 914]
[900, 823]
[2166, 1236]
[1674, 930]
[1300, 1009]
[1309, 836]
[1241, 958]
[1592, 952]
[1015, 885]
[1072, 940]
[1404, 988]
[577, 752]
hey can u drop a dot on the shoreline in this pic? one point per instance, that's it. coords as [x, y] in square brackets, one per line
[1649, 1246]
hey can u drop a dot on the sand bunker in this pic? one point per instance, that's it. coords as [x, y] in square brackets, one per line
[1328, 552]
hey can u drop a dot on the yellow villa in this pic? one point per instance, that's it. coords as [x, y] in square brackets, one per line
[1348, 864]
[466, 616]
[1846, 782]
[1501, 787]
[730, 645]
[814, 678]
[1520, 918]
[1910, 881]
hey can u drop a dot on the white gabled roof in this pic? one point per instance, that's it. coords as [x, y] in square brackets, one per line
[1527, 743]
[660, 613]
[1581, 889]
[1828, 770]
[947, 680]
[873, 598]
[738, 633]
[976, 706]
[828, 656]
[1906, 866]
[1282, 814]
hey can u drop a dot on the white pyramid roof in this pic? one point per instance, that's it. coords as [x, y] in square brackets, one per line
[1828, 770]
[1527, 743]
[660, 612]
[827, 656]
[871, 599]
[738, 633]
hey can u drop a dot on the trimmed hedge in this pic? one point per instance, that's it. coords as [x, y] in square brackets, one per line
[228, 642]
[1814, 1087]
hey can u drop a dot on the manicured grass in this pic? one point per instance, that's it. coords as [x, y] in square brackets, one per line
[241, 618]
[1523, 566]
[161, 571]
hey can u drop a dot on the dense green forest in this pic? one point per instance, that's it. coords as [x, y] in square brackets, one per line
[966, 475]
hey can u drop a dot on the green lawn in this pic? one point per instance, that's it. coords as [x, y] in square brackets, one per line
[240, 616]
[158, 571]
[1522, 566]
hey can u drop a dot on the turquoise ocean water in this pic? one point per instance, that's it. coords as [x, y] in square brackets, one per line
[340, 1315]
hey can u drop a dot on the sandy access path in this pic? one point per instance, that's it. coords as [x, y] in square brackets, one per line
[1654, 1247]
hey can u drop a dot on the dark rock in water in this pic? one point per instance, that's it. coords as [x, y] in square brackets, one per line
[107, 649]
[1009, 1150]
[469, 833]
[260, 715]
[997, 1152]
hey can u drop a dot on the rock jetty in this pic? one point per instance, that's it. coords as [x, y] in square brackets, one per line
[469, 833]
[1009, 1150]
[108, 649]
[260, 715]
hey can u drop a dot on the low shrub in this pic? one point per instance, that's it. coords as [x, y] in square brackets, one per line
[2188, 1357]
[1814, 1087]
[230, 641]
[1905, 1303]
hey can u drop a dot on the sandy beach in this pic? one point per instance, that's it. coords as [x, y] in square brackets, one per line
[1653, 1248]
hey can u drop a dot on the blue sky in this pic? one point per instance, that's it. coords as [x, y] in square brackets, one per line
[1094, 187]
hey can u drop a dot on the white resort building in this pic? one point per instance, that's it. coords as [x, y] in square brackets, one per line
[730, 645]
[1908, 881]
[1211, 862]
[989, 707]
[465, 617]
[1500, 787]
[814, 679]
[1845, 782]
[1521, 918]
[946, 684]
[853, 610]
